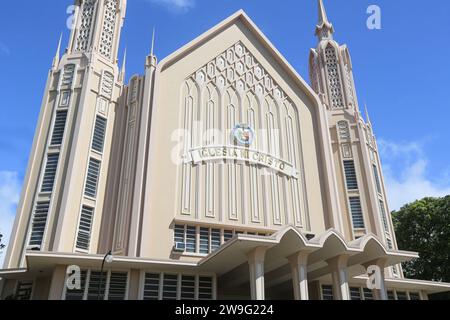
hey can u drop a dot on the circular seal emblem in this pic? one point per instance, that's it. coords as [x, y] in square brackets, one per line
[243, 134]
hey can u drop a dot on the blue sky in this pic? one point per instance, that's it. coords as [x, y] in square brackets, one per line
[401, 72]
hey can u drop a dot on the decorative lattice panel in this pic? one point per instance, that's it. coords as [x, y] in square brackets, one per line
[348, 73]
[109, 25]
[85, 27]
[315, 75]
[237, 68]
[334, 82]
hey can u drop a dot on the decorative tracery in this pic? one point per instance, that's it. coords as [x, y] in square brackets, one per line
[85, 27]
[336, 98]
[109, 24]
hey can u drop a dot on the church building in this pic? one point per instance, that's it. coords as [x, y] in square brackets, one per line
[217, 173]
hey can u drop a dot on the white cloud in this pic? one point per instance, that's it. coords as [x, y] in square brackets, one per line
[178, 6]
[9, 196]
[405, 172]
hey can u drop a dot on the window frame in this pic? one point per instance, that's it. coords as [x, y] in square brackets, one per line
[179, 283]
[107, 283]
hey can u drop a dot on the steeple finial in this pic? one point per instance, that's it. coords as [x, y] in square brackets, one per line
[367, 114]
[153, 42]
[322, 13]
[124, 64]
[324, 29]
[58, 53]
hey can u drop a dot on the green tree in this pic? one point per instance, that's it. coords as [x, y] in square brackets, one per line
[424, 226]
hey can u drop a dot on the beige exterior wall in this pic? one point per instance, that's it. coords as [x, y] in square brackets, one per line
[165, 177]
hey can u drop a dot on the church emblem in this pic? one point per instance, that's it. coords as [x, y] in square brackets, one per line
[243, 134]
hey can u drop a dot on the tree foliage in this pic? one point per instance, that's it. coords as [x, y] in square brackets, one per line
[424, 226]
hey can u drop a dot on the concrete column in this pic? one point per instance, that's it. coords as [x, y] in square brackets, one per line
[376, 280]
[256, 266]
[57, 284]
[299, 265]
[339, 276]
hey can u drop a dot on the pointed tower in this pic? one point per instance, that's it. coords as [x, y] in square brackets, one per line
[356, 160]
[61, 206]
[324, 29]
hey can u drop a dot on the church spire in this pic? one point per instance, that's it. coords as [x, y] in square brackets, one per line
[367, 115]
[124, 65]
[58, 53]
[324, 29]
[151, 58]
[153, 43]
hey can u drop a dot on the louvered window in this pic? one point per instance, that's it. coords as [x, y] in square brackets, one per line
[215, 239]
[92, 178]
[97, 285]
[78, 294]
[98, 139]
[85, 228]
[179, 234]
[368, 295]
[59, 128]
[383, 217]
[227, 235]
[401, 295]
[50, 172]
[151, 286]
[355, 293]
[38, 225]
[327, 292]
[204, 240]
[350, 175]
[170, 286]
[205, 288]
[117, 286]
[191, 238]
[111, 285]
[391, 295]
[377, 178]
[414, 296]
[24, 290]
[356, 210]
[187, 287]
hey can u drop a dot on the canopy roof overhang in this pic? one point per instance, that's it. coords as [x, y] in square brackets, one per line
[230, 260]
[410, 284]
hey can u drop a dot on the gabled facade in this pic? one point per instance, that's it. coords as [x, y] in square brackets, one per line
[218, 173]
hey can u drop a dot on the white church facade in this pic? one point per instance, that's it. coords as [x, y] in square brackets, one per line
[219, 173]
